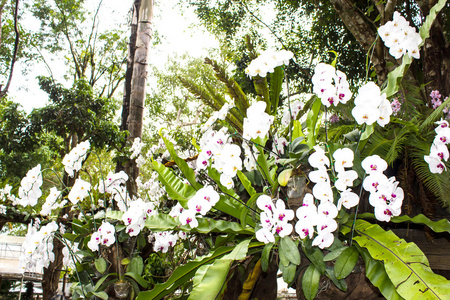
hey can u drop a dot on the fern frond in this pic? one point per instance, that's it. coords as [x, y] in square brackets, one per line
[437, 184]
[200, 93]
[233, 88]
[435, 115]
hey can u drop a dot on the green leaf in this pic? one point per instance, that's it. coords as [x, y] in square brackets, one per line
[184, 273]
[276, 81]
[136, 265]
[265, 256]
[339, 283]
[288, 272]
[100, 264]
[311, 121]
[442, 225]
[297, 131]
[290, 250]
[163, 222]
[209, 281]
[334, 254]
[101, 294]
[174, 187]
[346, 262]
[368, 132]
[101, 280]
[246, 183]
[406, 265]
[239, 252]
[263, 166]
[315, 256]
[377, 275]
[310, 282]
[138, 278]
[184, 167]
[125, 261]
[284, 176]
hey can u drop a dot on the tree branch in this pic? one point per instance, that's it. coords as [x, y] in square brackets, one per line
[16, 48]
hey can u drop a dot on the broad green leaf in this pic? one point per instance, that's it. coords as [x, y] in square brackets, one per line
[290, 250]
[367, 132]
[339, 283]
[346, 262]
[406, 265]
[288, 272]
[136, 265]
[297, 131]
[265, 256]
[376, 273]
[184, 167]
[184, 273]
[442, 225]
[101, 280]
[125, 261]
[263, 165]
[311, 121]
[246, 183]
[284, 176]
[103, 295]
[334, 254]
[315, 256]
[100, 264]
[310, 282]
[138, 278]
[163, 222]
[239, 252]
[212, 279]
[174, 187]
[276, 81]
[251, 203]
[229, 203]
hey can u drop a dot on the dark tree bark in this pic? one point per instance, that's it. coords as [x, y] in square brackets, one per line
[139, 81]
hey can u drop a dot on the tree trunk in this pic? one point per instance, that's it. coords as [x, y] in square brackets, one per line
[139, 81]
[436, 60]
[128, 78]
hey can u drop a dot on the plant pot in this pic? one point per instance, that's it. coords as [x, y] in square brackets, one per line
[121, 289]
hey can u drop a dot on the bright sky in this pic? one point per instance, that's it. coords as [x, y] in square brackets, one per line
[173, 27]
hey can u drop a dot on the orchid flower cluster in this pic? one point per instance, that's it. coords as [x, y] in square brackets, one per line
[312, 218]
[134, 218]
[330, 85]
[165, 239]
[217, 115]
[51, 202]
[400, 38]
[79, 191]
[371, 106]
[385, 194]
[115, 184]
[74, 160]
[267, 62]
[274, 219]
[201, 203]
[136, 149]
[439, 149]
[5, 194]
[105, 235]
[218, 152]
[290, 112]
[30, 188]
[436, 102]
[37, 249]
